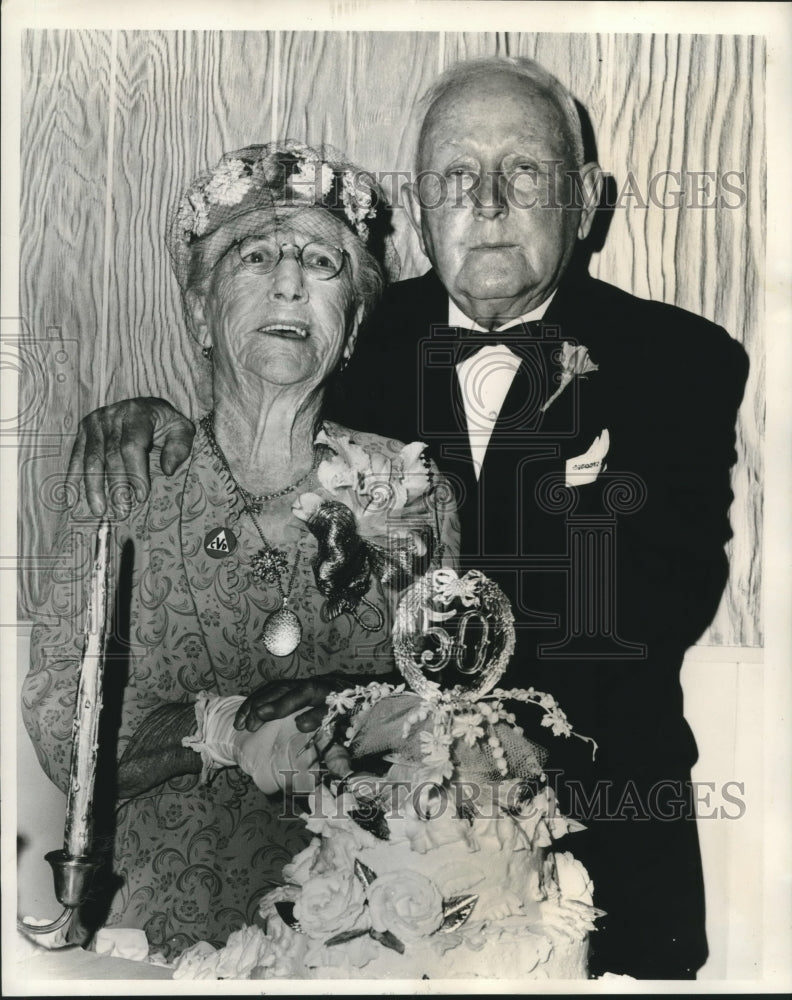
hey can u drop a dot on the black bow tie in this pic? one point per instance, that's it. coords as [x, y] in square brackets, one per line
[470, 342]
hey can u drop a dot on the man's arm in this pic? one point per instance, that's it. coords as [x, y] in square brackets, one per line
[111, 453]
[674, 546]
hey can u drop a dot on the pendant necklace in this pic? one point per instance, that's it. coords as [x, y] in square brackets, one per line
[282, 630]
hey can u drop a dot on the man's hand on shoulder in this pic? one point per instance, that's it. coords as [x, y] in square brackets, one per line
[111, 452]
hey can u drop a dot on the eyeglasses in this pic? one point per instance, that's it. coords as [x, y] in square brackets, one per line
[262, 254]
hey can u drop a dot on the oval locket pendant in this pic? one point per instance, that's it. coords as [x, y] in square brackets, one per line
[282, 632]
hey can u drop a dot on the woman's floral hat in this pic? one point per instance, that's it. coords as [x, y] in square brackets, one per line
[250, 187]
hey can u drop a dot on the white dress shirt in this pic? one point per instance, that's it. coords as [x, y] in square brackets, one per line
[486, 377]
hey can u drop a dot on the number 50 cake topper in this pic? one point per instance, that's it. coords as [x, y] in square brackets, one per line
[452, 640]
[453, 632]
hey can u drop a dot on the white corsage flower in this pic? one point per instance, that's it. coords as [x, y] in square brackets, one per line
[347, 466]
[574, 361]
[434, 746]
[373, 486]
[340, 702]
[436, 754]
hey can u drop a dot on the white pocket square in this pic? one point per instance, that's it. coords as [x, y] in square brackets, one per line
[585, 468]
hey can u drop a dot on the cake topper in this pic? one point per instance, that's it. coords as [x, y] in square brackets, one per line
[453, 638]
[453, 632]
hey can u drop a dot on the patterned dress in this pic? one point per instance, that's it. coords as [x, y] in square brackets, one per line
[193, 859]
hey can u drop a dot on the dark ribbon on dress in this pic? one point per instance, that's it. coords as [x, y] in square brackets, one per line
[345, 561]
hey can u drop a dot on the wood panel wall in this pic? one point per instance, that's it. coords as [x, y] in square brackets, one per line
[114, 124]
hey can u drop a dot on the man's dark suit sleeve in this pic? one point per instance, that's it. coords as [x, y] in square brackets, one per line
[683, 448]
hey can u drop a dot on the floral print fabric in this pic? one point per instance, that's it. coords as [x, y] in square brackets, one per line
[195, 859]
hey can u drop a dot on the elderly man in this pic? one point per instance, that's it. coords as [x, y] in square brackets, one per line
[590, 436]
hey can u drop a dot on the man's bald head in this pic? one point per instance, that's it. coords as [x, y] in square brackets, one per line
[485, 73]
[502, 192]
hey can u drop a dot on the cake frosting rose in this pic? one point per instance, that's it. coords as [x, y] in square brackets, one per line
[437, 860]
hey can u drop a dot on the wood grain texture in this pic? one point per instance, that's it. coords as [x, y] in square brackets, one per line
[371, 83]
[65, 88]
[656, 103]
[182, 100]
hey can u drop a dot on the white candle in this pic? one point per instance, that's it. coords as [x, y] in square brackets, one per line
[78, 836]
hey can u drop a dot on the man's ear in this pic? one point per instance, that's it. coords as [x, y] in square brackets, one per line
[414, 210]
[590, 187]
[195, 308]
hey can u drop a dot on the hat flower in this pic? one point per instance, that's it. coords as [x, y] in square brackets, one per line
[357, 202]
[307, 171]
[194, 214]
[229, 183]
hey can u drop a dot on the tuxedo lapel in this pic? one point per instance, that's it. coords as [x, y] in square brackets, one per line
[500, 512]
[532, 440]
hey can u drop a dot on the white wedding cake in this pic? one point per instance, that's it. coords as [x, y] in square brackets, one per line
[442, 867]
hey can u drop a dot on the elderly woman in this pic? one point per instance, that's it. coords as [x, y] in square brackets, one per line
[274, 553]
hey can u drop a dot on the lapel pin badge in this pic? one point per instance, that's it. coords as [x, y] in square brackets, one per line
[220, 542]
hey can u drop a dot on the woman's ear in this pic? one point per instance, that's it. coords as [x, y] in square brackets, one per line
[351, 340]
[195, 308]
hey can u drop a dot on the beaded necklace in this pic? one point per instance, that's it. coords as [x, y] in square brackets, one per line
[282, 630]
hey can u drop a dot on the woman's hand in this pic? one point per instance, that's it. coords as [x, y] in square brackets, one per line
[114, 442]
[277, 756]
[277, 699]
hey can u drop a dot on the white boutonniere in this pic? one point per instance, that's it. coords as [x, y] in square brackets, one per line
[574, 361]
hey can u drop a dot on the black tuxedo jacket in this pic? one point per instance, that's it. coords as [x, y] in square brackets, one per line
[636, 558]
[611, 580]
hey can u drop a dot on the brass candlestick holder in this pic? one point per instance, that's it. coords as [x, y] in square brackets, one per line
[73, 877]
[74, 867]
